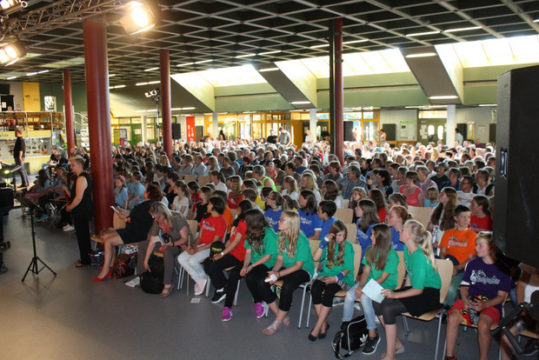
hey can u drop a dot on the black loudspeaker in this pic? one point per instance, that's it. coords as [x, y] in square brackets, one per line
[176, 131]
[516, 216]
[349, 131]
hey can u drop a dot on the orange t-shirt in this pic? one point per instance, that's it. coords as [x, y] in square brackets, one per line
[459, 243]
[229, 217]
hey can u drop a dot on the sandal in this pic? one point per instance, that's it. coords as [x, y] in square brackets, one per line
[286, 321]
[272, 329]
[167, 290]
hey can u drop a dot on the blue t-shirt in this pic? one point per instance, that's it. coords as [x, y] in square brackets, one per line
[485, 279]
[309, 223]
[273, 218]
[45, 186]
[326, 225]
[364, 238]
[137, 189]
[120, 196]
[395, 236]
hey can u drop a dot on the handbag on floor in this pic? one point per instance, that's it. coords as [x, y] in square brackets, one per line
[152, 281]
[124, 265]
[350, 338]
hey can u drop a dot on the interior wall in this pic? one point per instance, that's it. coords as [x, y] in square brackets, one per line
[406, 121]
[481, 117]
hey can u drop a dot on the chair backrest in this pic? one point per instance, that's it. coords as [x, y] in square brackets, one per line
[401, 270]
[421, 214]
[314, 245]
[345, 215]
[346, 202]
[203, 180]
[189, 178]
[117, 222]
[193, 226]
[357, 259]
[445, 269]
[351, 230]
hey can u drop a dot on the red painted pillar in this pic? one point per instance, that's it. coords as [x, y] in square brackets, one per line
[97, 93]
[339, 92]
[165, 101]
[68, 103]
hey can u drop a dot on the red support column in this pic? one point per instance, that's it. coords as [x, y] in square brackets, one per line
[97, 93]
[339, 92]
[68, 101]
[166, 100]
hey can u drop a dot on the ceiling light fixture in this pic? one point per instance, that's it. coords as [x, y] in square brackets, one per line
[245, 56]
[203, 61]
[318, 46]
[11, 78]
[117, 86]
[423, 33]
[269, 69]
[355, 41]
[469, 28]
[536, 20]
[300, 102]
[270, 52]
[443, 97]
[138, 18]
[489, 105]
[420, 55]
[112, 75]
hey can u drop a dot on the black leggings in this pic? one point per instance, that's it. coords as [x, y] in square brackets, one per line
[323, 293]
[255, 282]
[82, 229]
[215, 269]
[389, 309]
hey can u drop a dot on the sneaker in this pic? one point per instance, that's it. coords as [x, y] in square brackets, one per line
[371, 345]
[199, 286]
[218, 296]
[134, 282]
[227, 314]
[68, 227]
[261, 309]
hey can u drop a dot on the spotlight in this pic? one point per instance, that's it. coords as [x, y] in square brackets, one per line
[152, 93]
[138, 18]
[10, 53]
[10, 6]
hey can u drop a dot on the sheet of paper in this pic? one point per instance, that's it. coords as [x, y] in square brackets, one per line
[373, 290]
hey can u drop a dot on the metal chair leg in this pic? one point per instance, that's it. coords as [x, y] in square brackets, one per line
[405, 325]
[440, 316]
[237, 293]
[302, 306]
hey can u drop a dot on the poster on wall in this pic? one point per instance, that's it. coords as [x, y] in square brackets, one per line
[190, 126]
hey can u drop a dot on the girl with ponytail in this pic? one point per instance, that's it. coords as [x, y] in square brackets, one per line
[420, 294]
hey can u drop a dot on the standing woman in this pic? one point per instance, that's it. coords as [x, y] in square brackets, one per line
[337, 258]
[260, 255]
[294, 266]
[81, 208]
[421, 292]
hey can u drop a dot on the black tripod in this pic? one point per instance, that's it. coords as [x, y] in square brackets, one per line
[34, 264]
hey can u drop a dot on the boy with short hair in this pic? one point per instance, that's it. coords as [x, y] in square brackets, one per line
[458, 245]
[326, 210]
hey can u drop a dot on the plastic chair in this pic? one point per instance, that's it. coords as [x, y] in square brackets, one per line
[421, 214]
[345, 215]
[445, 269]
[203, 180]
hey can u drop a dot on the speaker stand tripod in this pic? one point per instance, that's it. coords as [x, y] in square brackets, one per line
[34, 264]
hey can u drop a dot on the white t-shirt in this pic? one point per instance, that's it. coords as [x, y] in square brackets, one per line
[221, 187]
[464, 198]
[294, 195]
[177, 205]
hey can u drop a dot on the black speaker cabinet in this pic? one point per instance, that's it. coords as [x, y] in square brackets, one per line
[516, 217]
[176, 131]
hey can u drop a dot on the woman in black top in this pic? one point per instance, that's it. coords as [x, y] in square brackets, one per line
[138, 224]
[81, 209]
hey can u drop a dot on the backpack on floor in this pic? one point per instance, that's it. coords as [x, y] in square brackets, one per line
[124, 265]
[152, 281]
[350, 338]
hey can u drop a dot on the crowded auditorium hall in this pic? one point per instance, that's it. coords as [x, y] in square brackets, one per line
[269, 179]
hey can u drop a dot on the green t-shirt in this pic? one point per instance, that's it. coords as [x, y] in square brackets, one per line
[337, 269]
[392, 263]
[420, 270]
[270, 248]
[303, 253]
[273, 187]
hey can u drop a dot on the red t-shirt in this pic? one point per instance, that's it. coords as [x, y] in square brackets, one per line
[234, 201]
[478, 224]
[239, 250]
[211, 227]
[382, 214]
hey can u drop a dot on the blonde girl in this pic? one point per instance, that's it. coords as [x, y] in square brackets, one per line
[421, 292]
[308, 182]
[294, 266]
